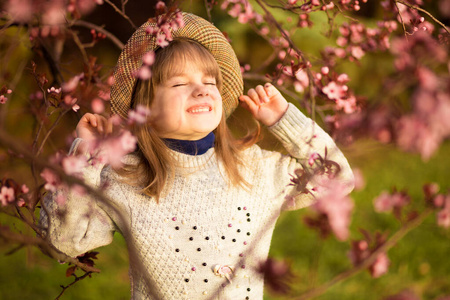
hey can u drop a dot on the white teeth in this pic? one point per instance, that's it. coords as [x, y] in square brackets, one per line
[198, 110]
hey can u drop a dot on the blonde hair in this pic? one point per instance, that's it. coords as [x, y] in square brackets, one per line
[156, 165]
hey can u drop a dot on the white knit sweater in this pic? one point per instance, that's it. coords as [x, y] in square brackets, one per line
[201, 222]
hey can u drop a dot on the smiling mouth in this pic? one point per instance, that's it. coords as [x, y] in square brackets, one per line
[201, 109]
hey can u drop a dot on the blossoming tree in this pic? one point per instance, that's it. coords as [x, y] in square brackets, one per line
[409, 108]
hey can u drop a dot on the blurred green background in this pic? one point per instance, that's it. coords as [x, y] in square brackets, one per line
[419, 262]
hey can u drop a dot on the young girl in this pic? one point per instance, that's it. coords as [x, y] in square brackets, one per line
[196, 207]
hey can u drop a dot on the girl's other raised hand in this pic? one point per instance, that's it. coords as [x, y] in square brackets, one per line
[93, 126]
[266, 104]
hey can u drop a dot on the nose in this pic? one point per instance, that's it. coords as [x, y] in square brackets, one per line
[200, 90]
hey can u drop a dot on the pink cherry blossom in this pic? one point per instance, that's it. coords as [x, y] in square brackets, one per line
[84, 6]
[160, 5]
[357, 52]
[387, 201]
[75, 107]
[98, 106]
[333, 201]
[3, 99]
[144, 73]
[161, 40]
[51, 179]
[139, 115]
[312, 158]
[128, 141]
[6, 195]
[427, 79]
[443, 216]
[178, 22]
[380, 266]
[151, 30]
[72, 84]
[325, 70]
[343, 78]
[114, 149]
[383, 202]
[73, 165]
[20, 10]
[333, 90]
[24, 189]
[347, 105]
[148, 58]
[359, 179]
[53, 90]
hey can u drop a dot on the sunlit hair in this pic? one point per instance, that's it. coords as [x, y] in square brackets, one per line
[156, 165]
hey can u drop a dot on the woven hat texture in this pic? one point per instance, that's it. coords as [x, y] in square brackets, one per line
[195, 28]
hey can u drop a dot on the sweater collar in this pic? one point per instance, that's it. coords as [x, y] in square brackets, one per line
[198, 147]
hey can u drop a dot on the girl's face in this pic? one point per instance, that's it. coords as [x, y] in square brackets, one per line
[187, 106]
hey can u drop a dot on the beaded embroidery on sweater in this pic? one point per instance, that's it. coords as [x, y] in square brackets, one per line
[205, 238]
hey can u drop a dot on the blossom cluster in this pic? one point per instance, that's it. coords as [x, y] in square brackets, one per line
[11, 192]
[331, 86]
[334, 203]
[242, 10]
[4, 91]
[109, 150]
[144, 71]
[355, 40]
[51, 13]
[362, 249]
[394, 201]
[139, 115]
[166, 21]
[408, 16]
[427, 125]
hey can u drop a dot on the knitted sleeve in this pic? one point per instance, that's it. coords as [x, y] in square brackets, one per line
[301, 137]
[72, 220]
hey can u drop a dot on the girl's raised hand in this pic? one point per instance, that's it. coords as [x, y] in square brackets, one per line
[93, 126]
[266, 104]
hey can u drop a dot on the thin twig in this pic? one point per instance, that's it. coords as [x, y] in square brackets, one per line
[208, 10]
[51, 130]
[97, 28]
[401, 20]
[64, 288]
[121, 13]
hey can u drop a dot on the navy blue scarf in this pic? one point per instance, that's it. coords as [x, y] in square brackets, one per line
[191, 147]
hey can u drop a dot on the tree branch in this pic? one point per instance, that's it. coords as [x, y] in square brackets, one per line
[369, 260]
[425, 12]
[121, 13]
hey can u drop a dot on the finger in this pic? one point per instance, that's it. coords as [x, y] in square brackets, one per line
[90, 119]
[100, 123]
[262, 94]
[249, 104]
[270, 89]
[254, 96]
[110, 126]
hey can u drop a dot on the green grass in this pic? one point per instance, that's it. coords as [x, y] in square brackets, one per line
[419, 262]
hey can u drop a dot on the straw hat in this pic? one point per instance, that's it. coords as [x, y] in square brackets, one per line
[195, 28]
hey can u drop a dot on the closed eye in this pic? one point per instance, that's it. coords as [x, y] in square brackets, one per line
[179, 84]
